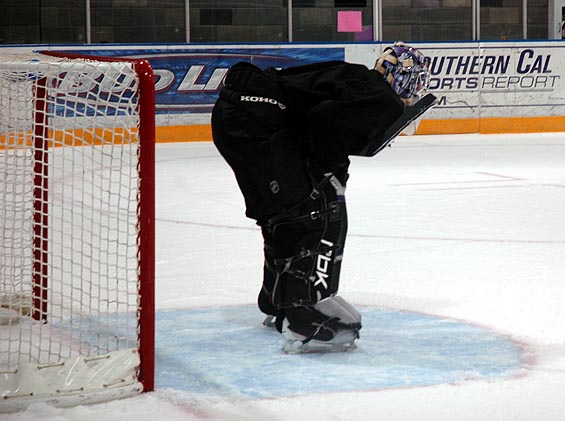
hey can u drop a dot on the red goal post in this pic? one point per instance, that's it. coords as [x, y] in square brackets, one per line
[77, 208]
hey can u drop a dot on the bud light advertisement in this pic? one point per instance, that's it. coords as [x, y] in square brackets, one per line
[189, 80]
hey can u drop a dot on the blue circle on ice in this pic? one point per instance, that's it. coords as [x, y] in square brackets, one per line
[226, 351]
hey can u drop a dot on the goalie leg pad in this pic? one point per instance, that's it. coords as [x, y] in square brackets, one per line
[314, 239]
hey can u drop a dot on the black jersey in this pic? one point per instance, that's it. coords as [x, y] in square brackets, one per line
[273, 125]
[341, 106]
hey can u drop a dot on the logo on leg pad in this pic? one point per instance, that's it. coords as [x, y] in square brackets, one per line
[323, 266]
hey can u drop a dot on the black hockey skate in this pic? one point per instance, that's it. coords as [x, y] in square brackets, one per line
[331, 325]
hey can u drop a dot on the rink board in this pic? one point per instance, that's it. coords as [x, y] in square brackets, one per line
[226, 351]
[482, 87]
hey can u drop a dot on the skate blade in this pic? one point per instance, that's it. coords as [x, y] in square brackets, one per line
[295, 346]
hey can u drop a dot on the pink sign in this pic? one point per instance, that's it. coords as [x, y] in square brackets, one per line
[349, 21]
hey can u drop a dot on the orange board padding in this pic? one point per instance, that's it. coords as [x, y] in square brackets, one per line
[71, 137]
[493, 125]
[203, 132]
[194, 133]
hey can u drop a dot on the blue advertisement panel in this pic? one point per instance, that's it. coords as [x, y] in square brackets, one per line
[189, 80]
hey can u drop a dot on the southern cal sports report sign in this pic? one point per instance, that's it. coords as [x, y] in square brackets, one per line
[498, 82]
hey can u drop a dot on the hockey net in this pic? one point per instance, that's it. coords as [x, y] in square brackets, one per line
[76, 226]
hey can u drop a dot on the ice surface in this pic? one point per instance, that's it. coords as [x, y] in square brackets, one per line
[225, 352]
[467, 227]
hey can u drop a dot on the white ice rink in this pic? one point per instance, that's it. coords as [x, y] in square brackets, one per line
[468, 228]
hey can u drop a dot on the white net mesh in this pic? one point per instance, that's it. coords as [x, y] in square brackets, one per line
[69, 191]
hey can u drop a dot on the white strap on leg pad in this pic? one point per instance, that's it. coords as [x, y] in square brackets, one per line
[336, 306]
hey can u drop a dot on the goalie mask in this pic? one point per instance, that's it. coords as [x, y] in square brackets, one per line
[406, 70]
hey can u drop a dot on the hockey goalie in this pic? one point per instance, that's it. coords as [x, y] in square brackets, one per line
[287, 134]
